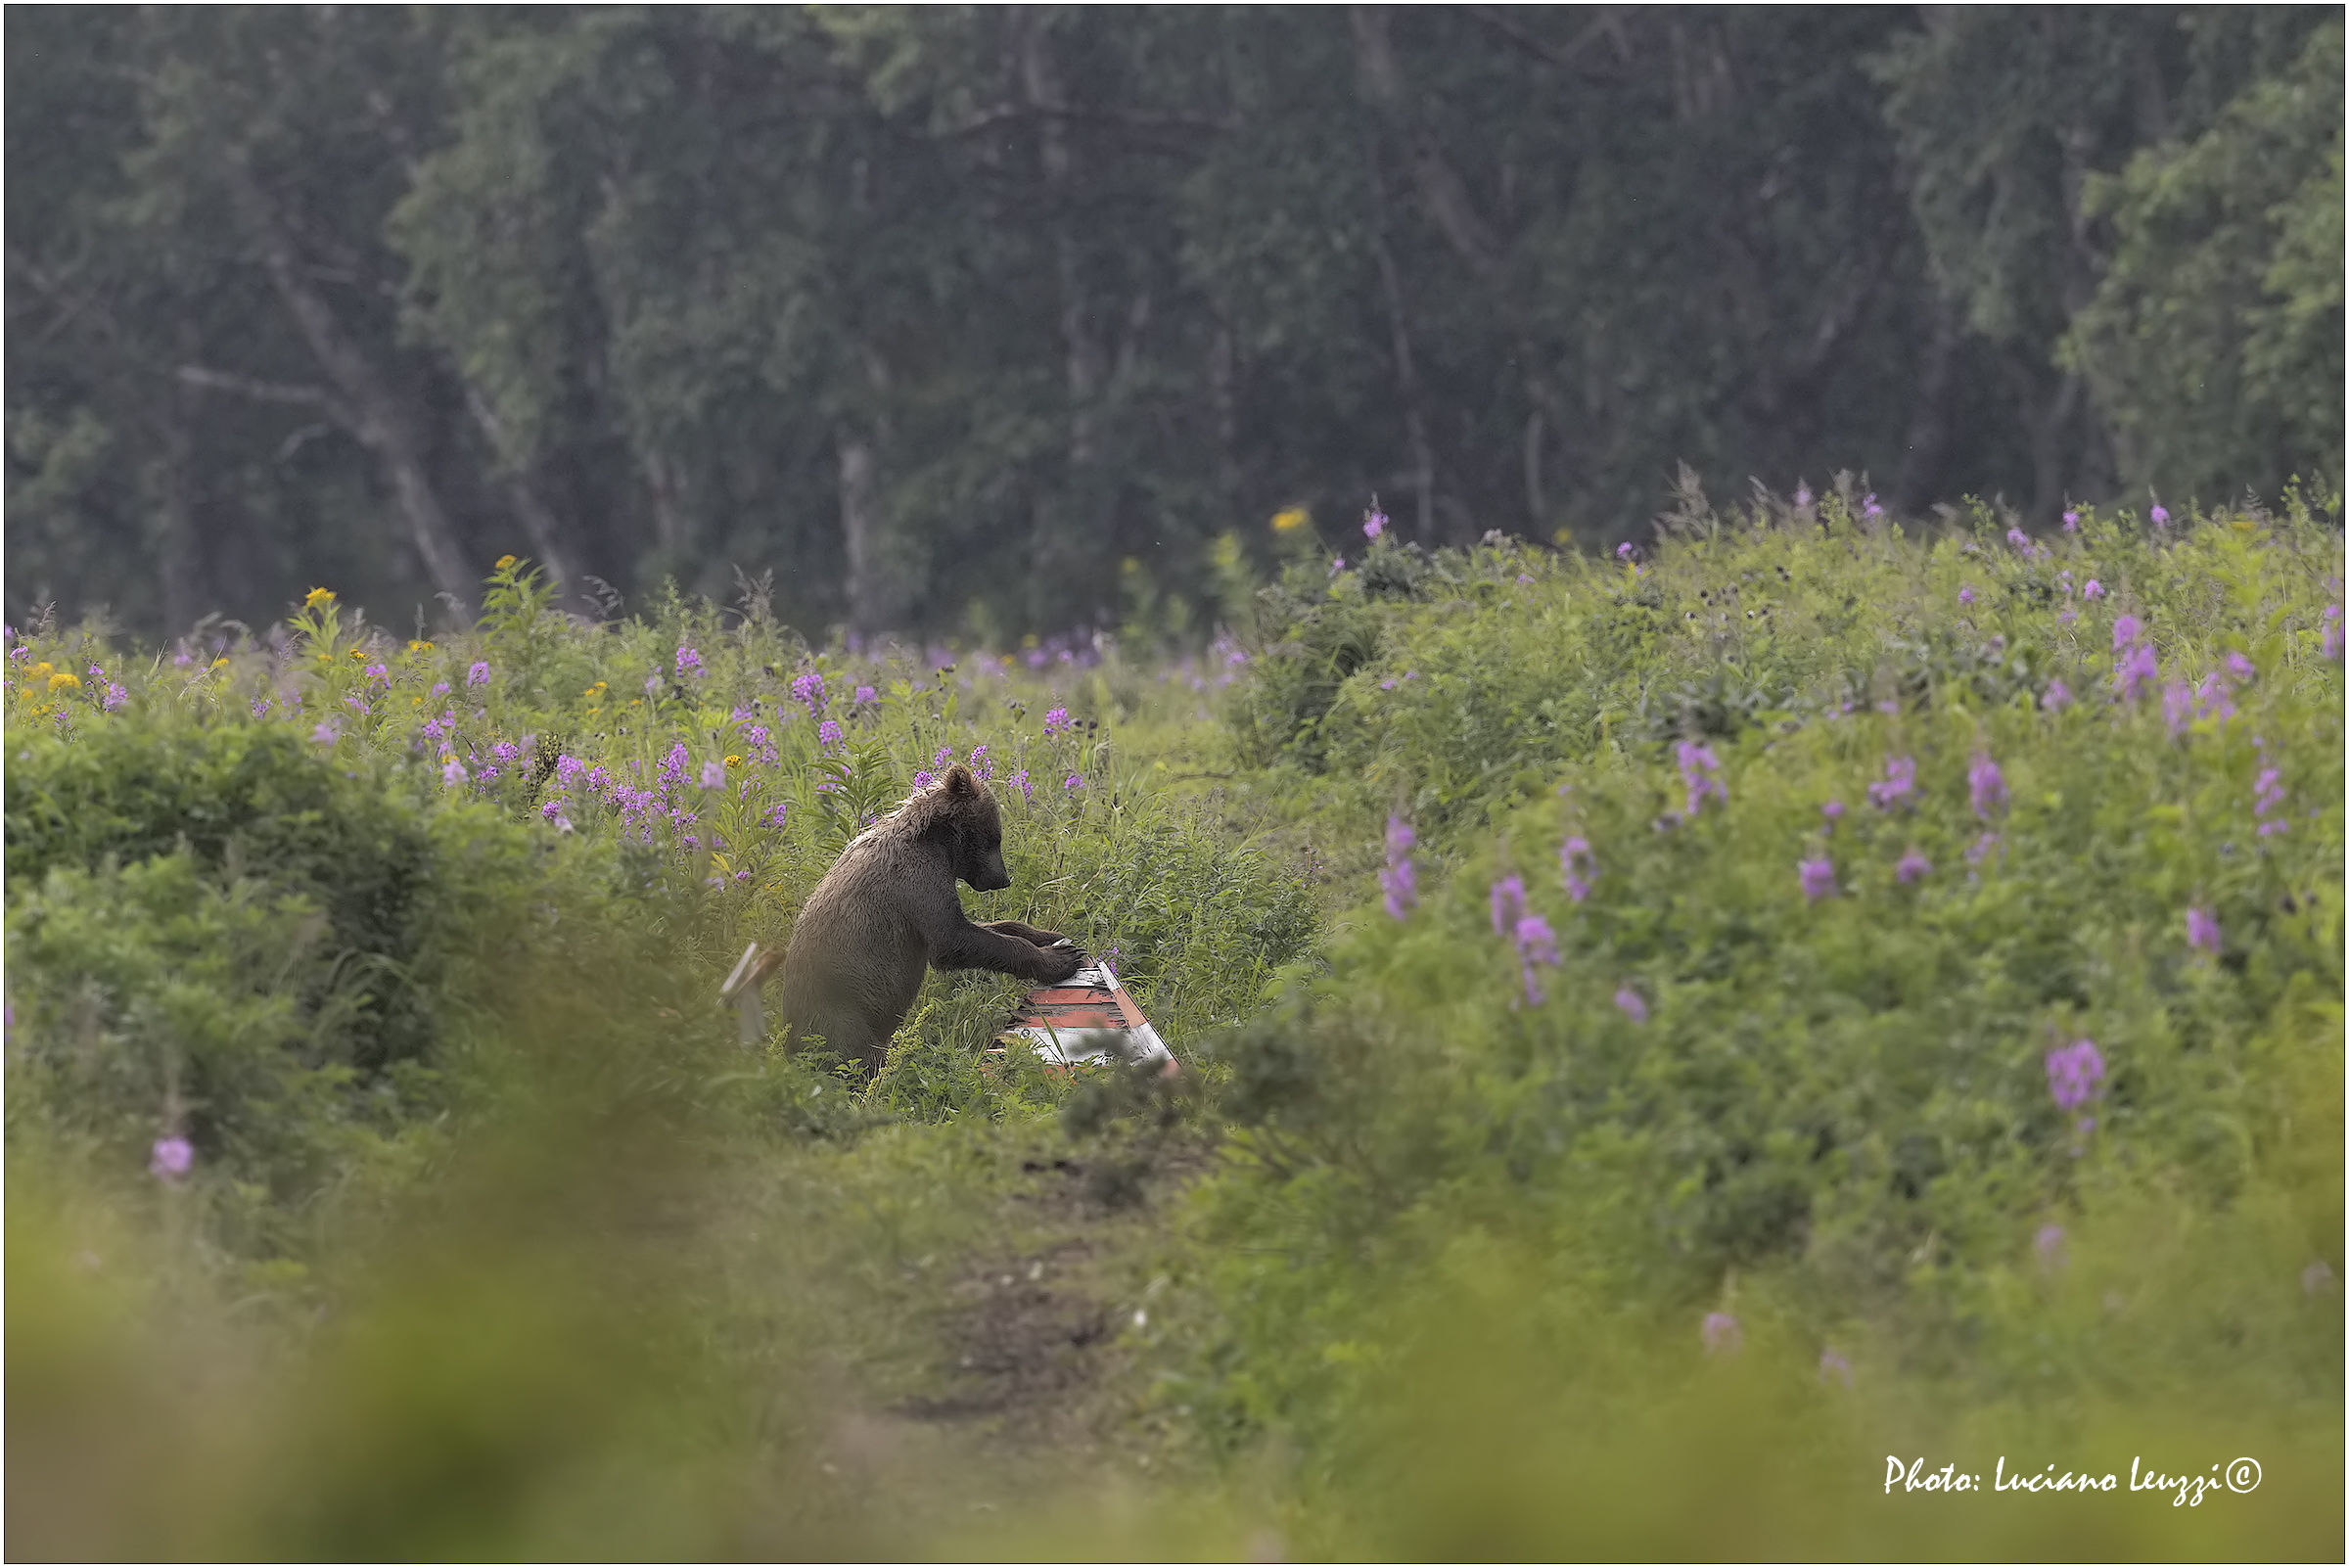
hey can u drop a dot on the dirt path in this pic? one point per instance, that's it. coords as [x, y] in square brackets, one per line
[1030, 1353]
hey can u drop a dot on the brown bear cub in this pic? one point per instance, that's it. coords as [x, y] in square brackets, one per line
[888, 910]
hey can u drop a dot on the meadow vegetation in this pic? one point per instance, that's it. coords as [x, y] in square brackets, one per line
[1664, 1033]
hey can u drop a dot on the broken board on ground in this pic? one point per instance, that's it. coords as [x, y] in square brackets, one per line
[1087, 1018]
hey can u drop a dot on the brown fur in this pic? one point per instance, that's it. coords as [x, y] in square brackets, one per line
[887, 912]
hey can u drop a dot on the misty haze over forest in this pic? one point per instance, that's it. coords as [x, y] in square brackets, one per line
[909, 305]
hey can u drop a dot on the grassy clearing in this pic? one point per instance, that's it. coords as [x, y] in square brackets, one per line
[1703, 1113]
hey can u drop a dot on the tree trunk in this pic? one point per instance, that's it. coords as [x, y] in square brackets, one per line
[374, 413]
[1087, 363]
[539, 521]
[872, 597]
[1221, 379]
[1406, 375]
[1927, 449]
[183, 588]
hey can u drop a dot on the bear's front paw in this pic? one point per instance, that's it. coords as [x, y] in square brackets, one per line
[1059, 963]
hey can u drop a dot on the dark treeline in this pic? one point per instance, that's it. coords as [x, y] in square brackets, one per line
[942, 314]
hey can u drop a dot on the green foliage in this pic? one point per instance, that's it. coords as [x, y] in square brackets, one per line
[1718, 1081]
[2214, 339]
[1495, 1234]
[1012, 299]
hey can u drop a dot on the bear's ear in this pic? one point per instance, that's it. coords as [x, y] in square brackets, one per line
[960, 783]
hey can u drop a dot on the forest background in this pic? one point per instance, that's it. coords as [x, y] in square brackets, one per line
[945, 315]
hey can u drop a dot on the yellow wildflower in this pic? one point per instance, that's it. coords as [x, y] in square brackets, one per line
[44, 668]
[504, 562]
[316, 597]
[1289, 519]
[733, 759]
[417, 645]
[64, 678]
[355, 654]
[218, 662]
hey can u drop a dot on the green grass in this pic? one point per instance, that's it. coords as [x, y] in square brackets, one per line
[497, 1244]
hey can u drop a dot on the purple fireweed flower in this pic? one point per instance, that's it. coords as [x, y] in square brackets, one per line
[2049, 1244]
[652, 684]
[2267, 793]
[1400, 880]
[1898, 784]
[1965, 594]
[440, 689]
[827, 734]
[326, 734]
[775, 817]
[379, 674]
[922, 781]
[808, 690]
[505, 751]
[1720, 1334]
[1026, 790]
[2213, 699]
[1578, 865]
[2057, 696]
[1623, 551]
[1818, 878]
[1631, 1004]
[1075, 781]
[2238, 665]
[1868, 507]
[2134, 670]
[1700, 773]
[2066, 616]
[1987, 785]
[261, 707]
[1832, 811]
[866, 694]
[1913, 865]
[2328, 640]
[2092, 589]
[1981, 847]
[1524, 578]
[2126, 630]
[2071, 522]
[2075, 1073]
[2201, 930]
[1337, 566]
[2018, 538]
[479, 675]
[689, 662]
[1802, 495]
[1834, 1366]
[1535, 945]
[713, 775]
[172, 1158]
[116, 697]
[2161, 516]
[550, 811]
[1056, 720]
[1374, 521]
[980, 766]
[453, 772]
[1509, 903]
